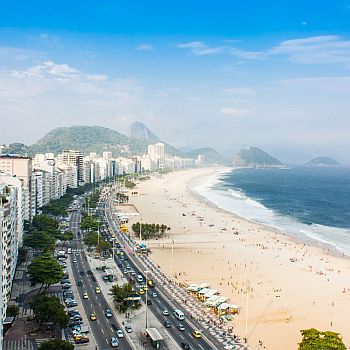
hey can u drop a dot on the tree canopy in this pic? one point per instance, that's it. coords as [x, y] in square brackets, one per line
[56, 344]
[49, 309]
[91, 240]
[89, 223]
[150, 230]
[45, 270]
[314, 339]
[39, 240]
[120, 295]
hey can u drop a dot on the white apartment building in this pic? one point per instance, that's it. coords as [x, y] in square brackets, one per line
[157, 152]
[21, 167]
[8, 240]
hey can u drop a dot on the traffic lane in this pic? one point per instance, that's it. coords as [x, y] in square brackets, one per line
[97, 303]
[100, 304]
[182, 336]
[90, 305]
[157, 307]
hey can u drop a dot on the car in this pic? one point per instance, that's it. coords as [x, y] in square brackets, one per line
[120, 333]
[65, 280]
[66, 286]
[82, 273]
[93, 278]
[89, 272]
[167, 324]
[197, 334]
[128, 267]
[85, 296]
[185, 346]
[114, 327]
[128, 329]
[141, 291]
[132, 273]
[108, 313]
[149, 302]
[165, 312]
[93, 317]
[80, 283]
[73, 312]
[145, 288]
[154, 295]
[114, 342]
[79, 339]
[97, 290]
[71, 304]
[125, 272]
[74, 261]
[180, 327]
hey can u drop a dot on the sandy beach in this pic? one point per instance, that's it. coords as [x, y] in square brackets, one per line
[293, 285]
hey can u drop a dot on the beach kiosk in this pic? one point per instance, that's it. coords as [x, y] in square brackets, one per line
[154, 336]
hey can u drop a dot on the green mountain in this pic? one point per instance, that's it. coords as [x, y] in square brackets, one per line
[323, 161]
[255, 157]
[211, 156]
[87, 139]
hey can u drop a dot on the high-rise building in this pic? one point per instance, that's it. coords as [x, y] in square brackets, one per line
[8, 240]
[75, 158]
[157, 151]
[21, 167]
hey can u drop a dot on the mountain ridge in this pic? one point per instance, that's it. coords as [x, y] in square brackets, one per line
[255, 157]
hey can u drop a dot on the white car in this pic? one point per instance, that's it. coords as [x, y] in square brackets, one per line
[154, 294]
[114, 342]
[120, 333]
[165, 312]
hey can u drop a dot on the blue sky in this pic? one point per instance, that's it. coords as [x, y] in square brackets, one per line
[225, 74]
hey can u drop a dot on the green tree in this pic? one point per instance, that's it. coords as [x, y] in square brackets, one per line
[314, 339]
[45, 270]
[39, 240]
[56, 344]
[65, 236]
[49, 309]
[12, 310]
[120, 295]
[45, 223]
[89, 223]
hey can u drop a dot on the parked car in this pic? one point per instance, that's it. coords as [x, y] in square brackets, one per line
[80, 283]
[185, 346]
[128, 329]
[120, 333]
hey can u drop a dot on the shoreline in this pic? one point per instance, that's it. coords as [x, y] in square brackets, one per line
[318, 243]
[270, 260]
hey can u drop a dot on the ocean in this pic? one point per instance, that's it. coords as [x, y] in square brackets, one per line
[309, 203]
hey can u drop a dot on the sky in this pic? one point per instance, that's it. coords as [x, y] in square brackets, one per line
[223, 74]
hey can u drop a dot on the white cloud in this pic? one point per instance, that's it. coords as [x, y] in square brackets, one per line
[340, 84]
[244, 91]
[235, 112]
[144, 47]
[326, 49]
[251, 55]
[198, 48]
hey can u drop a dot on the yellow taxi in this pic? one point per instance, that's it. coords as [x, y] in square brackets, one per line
[141, 291]
[145, 288]
[97, 290]
[85, 296]
[197, 334]
[93, 317]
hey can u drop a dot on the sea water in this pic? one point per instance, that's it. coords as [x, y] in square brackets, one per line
[310, 203]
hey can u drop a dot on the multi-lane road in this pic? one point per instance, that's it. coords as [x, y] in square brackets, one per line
[161, 302]
[101, 328]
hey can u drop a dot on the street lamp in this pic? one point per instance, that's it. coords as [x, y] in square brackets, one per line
[140, 228]
[98, 232]
[172, 259]
[247, 304]
[146, 272]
